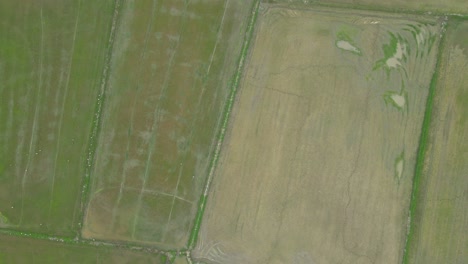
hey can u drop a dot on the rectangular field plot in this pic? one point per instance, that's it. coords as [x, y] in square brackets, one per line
[440, 226]
[318, 162]
[171, 66]
[446, 6]
[51, 61]
[26, 250]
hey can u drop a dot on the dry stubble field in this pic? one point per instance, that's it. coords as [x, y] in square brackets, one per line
[318, 162]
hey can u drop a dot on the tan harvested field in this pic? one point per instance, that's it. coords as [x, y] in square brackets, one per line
[441, 222]
[31, 251]
[169, 80]
[51, 58]
[318, 162]
[440, 6]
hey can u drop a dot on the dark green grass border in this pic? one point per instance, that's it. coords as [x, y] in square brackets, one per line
[97, 118]
[88, 242]
[422, 149]
[224, 122]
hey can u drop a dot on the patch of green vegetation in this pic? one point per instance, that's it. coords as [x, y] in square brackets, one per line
[3, 219]
[390, 49]
[163, 258]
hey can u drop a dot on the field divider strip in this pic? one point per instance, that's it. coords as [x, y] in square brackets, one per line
[422, 147]
[224, 122]
[96, 123]
[91, 242]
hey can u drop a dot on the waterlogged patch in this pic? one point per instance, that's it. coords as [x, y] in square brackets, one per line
[398, 100]
[345, 42]
[394, 53]
[344, 45]
[399, 166]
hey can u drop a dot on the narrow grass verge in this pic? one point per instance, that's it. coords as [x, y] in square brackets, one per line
[422, 149]
[89, 242]
[96, 122]
[224, 122]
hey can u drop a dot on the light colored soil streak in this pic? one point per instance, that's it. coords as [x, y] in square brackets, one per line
[62, 111]
[132, 117]
[35, 120]
[153, 132]
[346, 46]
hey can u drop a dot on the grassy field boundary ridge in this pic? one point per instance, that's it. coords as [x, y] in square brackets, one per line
[422, 147]
[96, 122]
[88, 242]
[223, 126]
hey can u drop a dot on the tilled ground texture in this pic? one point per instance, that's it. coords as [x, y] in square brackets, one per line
[318, 162]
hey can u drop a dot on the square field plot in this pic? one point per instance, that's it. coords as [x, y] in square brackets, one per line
[318, 162]
[168, 83]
